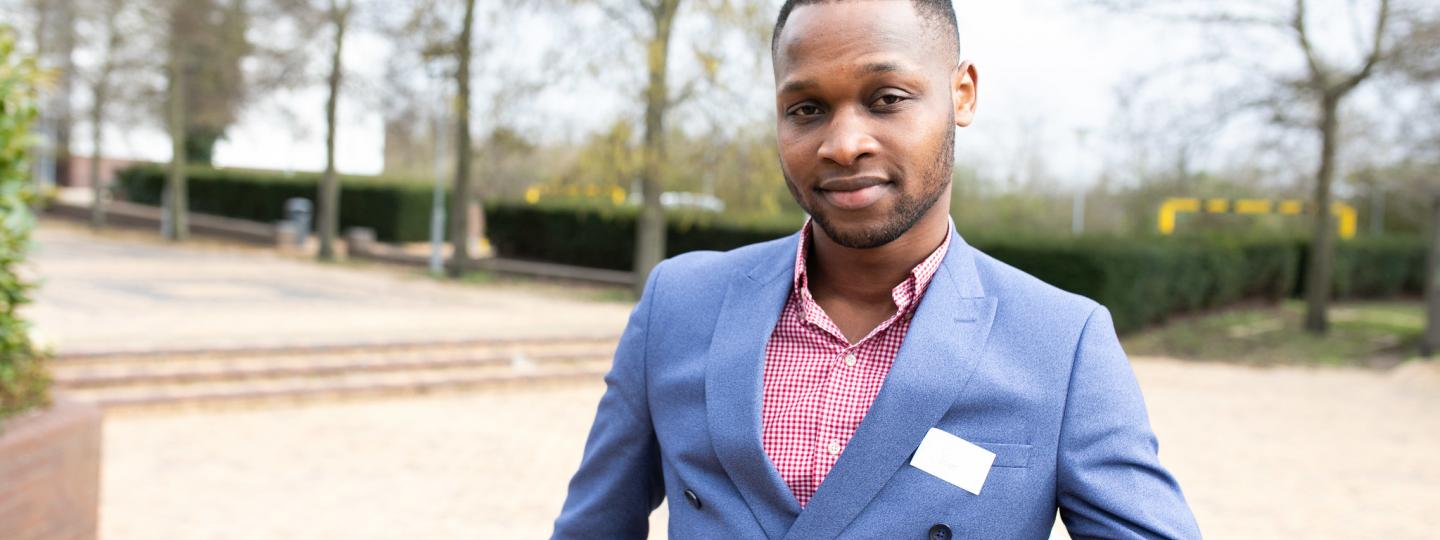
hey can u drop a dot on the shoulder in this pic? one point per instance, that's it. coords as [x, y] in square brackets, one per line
[1027, 301]
[701, 274]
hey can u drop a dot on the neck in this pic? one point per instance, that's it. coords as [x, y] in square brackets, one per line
[869, 275]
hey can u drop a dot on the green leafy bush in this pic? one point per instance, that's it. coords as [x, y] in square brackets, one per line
[24, 381]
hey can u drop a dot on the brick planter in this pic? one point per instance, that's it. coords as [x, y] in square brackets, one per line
[50, 474]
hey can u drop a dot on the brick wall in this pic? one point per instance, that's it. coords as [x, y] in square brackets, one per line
[79, 172]
[50, 474]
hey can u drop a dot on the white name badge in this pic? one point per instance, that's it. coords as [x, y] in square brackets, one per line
[954, 460]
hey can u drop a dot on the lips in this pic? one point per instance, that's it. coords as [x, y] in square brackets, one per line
[853, 193]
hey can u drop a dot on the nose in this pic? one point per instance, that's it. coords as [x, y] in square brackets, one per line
[848, 139]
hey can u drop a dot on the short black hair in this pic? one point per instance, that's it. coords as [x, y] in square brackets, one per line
[940, 13]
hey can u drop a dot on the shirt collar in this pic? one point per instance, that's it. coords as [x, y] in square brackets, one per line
[905, 294]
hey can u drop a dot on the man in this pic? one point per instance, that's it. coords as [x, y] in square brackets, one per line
[871, 376]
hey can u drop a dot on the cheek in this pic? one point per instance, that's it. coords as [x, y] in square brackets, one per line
[795, 155]
[918, 142]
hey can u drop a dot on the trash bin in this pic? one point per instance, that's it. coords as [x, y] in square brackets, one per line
[298, 212]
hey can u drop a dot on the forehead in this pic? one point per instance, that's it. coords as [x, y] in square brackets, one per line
[827, 32]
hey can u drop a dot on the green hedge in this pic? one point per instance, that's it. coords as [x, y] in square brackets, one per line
[1374, 268]
[1141, 280]
[1144, 281]
[24, 379]
[605, 238]
[397, 211]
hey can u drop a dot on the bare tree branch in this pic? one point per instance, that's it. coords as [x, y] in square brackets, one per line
[1318, 71]
[1377, 49]
[621, 17]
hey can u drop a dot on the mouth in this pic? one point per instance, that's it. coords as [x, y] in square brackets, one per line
[853, 193]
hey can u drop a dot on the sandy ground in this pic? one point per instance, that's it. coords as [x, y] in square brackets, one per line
[1284, 452]
[127, 291]
[1261, 453]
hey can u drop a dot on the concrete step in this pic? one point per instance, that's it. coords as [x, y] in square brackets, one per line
[263, 394]
[353, 348]
[203, 369]
[235, 377]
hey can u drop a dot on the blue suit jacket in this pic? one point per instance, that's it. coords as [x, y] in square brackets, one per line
[993, 355]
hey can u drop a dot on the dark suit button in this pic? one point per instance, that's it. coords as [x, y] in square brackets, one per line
[694, 501]
[940, 531]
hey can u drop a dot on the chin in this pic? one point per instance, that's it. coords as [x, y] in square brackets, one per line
[859, 234]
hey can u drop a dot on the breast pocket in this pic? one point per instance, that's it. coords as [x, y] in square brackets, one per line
[1008, 456]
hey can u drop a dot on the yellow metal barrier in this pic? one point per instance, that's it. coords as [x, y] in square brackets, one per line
[1346, 216]
[616, 194]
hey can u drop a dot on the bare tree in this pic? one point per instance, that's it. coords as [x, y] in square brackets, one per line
[329, 197]
[1329, 85]
[1323, 85]
[116, 59]
[650, 24]
[430, 32]
[176, 199]
[650, 230]
[56, 41]
[461, 195]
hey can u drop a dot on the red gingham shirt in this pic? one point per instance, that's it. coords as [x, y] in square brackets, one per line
[818, 386]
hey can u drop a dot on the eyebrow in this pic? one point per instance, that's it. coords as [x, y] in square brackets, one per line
[880, 67]
[872, 68]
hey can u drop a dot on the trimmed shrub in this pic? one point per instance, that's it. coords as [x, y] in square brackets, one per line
[1141, 280]
[398, 211]
[1380, 268]
[24, 381]
[605, 237]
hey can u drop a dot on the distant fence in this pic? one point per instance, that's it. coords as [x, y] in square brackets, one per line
[1346, 216]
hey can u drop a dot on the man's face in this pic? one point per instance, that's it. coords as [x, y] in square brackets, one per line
[866, 99]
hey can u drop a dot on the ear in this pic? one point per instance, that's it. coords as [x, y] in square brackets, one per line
[965, 91]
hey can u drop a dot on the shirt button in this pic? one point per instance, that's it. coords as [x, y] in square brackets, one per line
[834, 448]
[850, 360]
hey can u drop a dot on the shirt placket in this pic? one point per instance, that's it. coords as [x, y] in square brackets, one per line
[834, 426]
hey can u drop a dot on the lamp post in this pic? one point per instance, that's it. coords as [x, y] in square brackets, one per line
[437, 205]
[1077, 209]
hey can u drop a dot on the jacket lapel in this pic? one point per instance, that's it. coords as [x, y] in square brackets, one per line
[934, 364]
[734, 386]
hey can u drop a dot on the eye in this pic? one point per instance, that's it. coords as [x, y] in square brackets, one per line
[804, 109]
[888, 100]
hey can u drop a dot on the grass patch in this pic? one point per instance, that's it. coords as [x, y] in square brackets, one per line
[1362, 333]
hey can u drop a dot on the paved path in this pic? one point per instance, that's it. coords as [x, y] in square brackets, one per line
[130, 291]
[1261, 453]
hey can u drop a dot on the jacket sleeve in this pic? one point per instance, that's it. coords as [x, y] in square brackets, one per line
[619, 481]
[1110, 481]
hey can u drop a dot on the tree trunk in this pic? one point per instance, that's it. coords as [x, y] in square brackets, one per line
[97, 123]
[650, 229]
[42, 27]
[64, 117]
[100, 98]
[1431, 343]
[1322, 237]
[329, 196]
[459, 204]
[176, 199]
